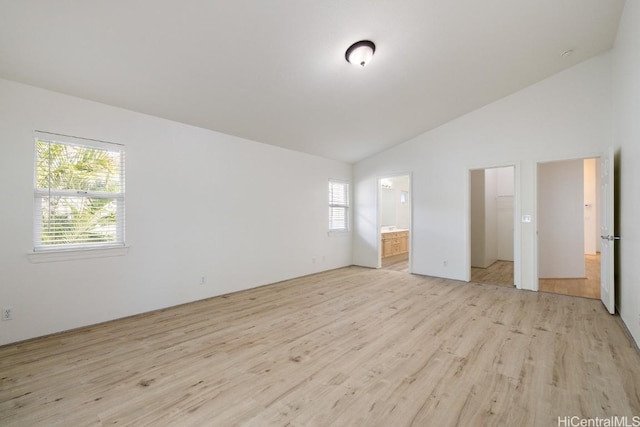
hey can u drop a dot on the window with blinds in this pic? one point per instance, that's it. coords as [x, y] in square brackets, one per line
[338, 206]
[79, 193]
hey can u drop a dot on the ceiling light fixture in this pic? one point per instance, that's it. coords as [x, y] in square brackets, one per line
[360, 53]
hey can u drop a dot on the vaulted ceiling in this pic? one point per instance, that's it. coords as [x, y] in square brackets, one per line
[275, 72]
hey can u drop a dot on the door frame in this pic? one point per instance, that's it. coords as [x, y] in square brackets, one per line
[517, 226]
[535, 284]
[379, 214]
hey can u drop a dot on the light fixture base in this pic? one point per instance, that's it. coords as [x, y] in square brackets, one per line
[360, 53]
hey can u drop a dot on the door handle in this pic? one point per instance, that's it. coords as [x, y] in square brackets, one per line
[611, 237]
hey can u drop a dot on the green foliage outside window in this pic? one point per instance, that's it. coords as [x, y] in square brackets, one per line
[80, 189]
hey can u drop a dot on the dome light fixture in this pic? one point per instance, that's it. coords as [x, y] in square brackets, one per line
[360, 53]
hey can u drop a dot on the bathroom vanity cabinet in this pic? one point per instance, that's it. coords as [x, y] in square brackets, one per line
[395, 243]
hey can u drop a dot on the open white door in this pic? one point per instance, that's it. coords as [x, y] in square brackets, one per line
[607, 285]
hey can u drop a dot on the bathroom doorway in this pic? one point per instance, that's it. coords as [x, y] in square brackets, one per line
[394, 219]
[492, 223]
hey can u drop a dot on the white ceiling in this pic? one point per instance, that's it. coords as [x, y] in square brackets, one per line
[274, 71]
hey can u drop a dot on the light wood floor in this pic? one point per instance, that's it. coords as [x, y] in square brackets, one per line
[499, 273]
[396, 263]
[588, 287]
[350, 347]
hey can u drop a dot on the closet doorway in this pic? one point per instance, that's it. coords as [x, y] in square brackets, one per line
[394, 219]
[492, 221]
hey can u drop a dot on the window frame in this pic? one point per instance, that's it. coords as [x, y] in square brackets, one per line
[335, 204]
[41, 193]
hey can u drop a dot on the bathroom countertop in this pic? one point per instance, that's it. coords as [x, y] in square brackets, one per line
[395, 230]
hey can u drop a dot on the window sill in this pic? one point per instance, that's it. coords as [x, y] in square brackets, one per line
[338, 232]
[75, 254]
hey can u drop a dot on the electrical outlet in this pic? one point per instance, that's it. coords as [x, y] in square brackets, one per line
[203, 280]
[7, 313]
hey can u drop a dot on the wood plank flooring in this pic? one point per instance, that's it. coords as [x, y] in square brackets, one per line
[587, 287]
[349, 347]
[499, 273]
[396, 263]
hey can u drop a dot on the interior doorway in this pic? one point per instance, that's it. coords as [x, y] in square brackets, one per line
[569, 210]
[394, 214]
[492, 221]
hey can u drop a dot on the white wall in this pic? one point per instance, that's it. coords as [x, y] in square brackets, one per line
[387, 207]
[561, 219]
[199, 203]
[477, 218]
[506, 181]
[566, 116]
[403, 210]
[626, 126]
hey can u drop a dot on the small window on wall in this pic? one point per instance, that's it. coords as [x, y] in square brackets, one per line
[79, 193]
[338, 206]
